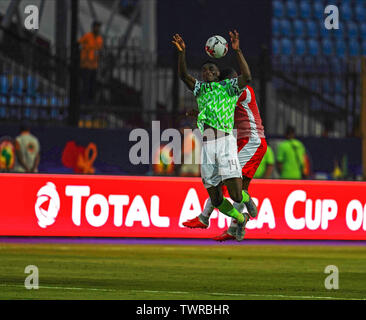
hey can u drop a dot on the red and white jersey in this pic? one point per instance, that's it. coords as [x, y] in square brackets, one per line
[247, 120]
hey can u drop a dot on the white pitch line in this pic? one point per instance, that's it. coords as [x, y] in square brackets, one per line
[191, 293]
[247, 294]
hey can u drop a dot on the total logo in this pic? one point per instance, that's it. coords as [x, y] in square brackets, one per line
[47, 193]
[137, 211]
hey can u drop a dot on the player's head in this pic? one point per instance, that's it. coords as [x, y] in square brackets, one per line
[210, 71]
[290, 132]
[228, 73]
[24, 126]
[96, 25]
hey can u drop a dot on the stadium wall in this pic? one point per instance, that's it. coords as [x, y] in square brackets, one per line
[110, 206]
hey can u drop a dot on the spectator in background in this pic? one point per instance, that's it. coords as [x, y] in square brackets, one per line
[291, 156]
[91, 44]
[27, 151]
[266, 166]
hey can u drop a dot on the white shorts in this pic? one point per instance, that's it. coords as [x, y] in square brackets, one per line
[219, 161]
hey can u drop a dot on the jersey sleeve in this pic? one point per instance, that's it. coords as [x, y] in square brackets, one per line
[197, 88]
[232, 87]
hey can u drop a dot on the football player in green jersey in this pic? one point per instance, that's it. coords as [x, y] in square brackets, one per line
[216, 105]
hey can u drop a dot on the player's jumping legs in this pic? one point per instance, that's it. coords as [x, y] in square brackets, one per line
[221, 203]
[234, 187]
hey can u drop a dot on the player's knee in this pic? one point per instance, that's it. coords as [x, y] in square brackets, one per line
[236, 196]
[216, 201]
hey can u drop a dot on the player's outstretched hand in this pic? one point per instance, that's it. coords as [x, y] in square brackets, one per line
[179, 43]
[234, 37]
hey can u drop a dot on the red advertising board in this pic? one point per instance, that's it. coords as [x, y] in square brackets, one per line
[110, 206]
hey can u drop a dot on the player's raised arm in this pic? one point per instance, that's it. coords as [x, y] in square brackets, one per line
[245, 77]
[182, 65]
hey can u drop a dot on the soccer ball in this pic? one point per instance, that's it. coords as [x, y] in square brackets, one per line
[216, 47]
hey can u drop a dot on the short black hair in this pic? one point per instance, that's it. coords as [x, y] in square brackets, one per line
[96, 24]
[24, 126]
[227, 73]
[210, 62]
[290, 130]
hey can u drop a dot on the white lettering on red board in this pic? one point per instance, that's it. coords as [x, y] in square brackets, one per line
[325, 210]
[137, 212]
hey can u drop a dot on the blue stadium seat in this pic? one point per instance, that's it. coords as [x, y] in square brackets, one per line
[286, 47]
[326, 85]
[3, 109]
[312, 29]
[324, 32]
[38, 100]
[299, 28]
[313, 47]
[305, 9]
[300, 47]
[352, 30]
[363, 30]
[17, 86]
[345, 12]
[276, 47]
[55, 104]
[338, 33]
[327, 47]
[276, 27]
[318, 10]
[4, 85]
[286, 29]
[339, 100]
[291, 9]
[54, 101]
[360, 13]
[315, 84]
[65, 102]
[336, 64]
[32, 86]
[14, 100]
[339, 85]
[354, 48]
[340, 48]
[278, 9]
[28, 102]
[43, 102]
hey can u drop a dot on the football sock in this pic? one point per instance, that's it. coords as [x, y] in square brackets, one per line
[208, 209]
[239, 206]
[245, 196]
[227, 208]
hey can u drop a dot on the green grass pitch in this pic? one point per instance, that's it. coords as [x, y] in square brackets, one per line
[178, 272]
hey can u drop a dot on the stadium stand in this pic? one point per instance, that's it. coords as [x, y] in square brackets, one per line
[318, 54]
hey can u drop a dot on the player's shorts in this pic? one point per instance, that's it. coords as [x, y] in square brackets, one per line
[219, 161]
[250, 154]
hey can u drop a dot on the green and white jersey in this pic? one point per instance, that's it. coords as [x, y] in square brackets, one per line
[216, 103]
